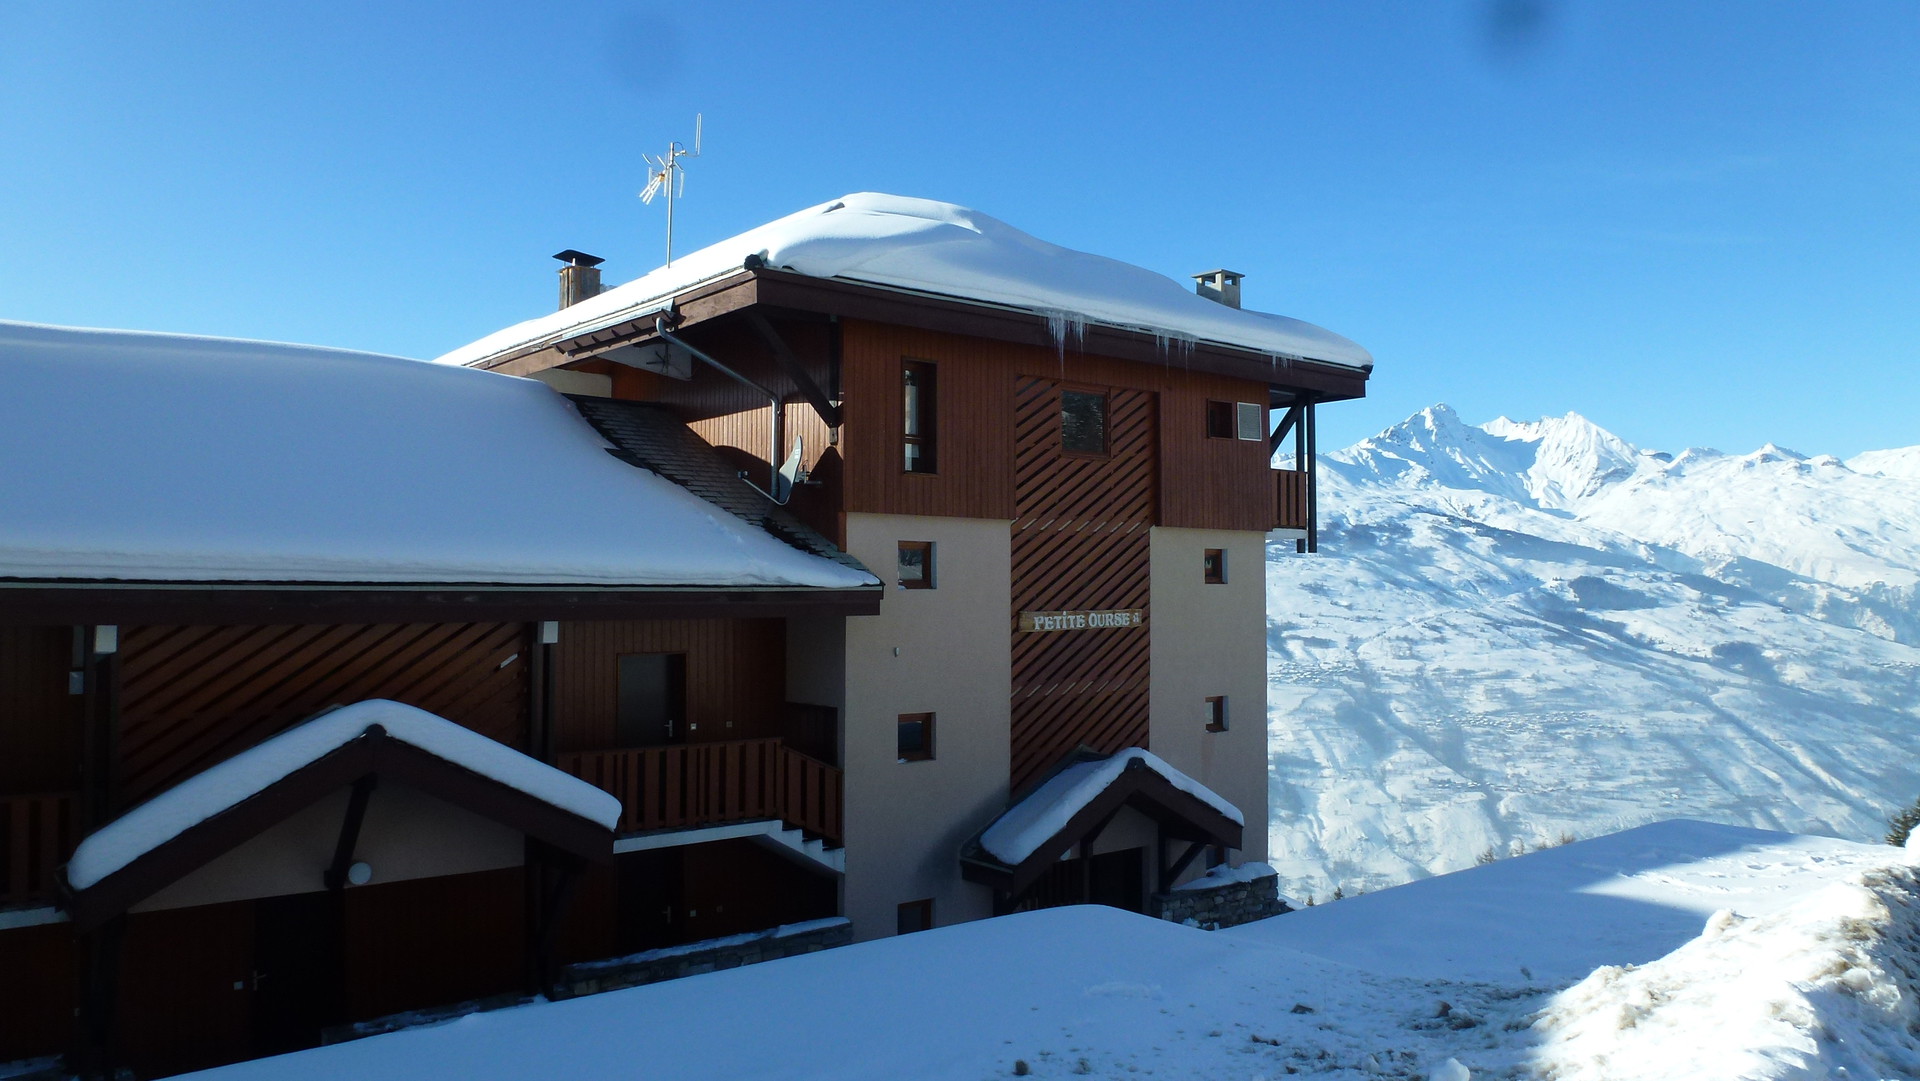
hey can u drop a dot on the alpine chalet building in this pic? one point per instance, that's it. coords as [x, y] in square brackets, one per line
[877, 569]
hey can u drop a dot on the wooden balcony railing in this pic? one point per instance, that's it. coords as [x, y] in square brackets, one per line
[36, 837]
[681, 786]
[1289, 499]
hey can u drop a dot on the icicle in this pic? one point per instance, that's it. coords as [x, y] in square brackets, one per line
[1062, 325]
[1173, 343]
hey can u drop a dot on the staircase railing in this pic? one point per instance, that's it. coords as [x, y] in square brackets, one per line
[687, 785]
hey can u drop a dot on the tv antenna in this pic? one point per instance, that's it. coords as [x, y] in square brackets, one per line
[666, 174]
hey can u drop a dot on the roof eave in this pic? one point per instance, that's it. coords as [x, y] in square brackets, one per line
[25, 602]
[792, 291]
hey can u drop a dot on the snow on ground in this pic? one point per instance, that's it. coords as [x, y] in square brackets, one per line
[205, 459]
[941, 248]
[1521, 631]
[1481, 974]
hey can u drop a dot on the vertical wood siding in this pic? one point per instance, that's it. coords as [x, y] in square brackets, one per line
[1080, 541]
[1200, 482]
[974, 426]
[40, 723]
[194, 696]
[736, 674]
[1209, 483]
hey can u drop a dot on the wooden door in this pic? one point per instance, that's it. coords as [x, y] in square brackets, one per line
[186, 989]
[297, 971]
[653, 700]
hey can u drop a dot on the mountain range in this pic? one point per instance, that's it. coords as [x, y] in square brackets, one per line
[1517, 633]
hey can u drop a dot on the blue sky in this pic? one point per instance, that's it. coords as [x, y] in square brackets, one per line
[1694, 223]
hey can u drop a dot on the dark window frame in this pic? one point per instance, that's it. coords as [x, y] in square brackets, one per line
[925, 375]
[1105, 394]
[1216, 713]
[925, 752]
[926, 579]
[908, 913]
[1222, 420]
[1213, 566]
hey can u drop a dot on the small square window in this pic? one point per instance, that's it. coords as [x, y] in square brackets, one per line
[913, 916]
[1220, 420]
[916, 565]
[1214, 563]
[916, 737]
[1083, 422]
[1217, 713]
[1252, 420]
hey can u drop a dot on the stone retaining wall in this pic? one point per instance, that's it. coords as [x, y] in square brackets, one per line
[592, 977]
[1227, 905]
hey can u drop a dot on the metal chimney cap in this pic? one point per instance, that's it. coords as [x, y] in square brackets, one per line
[578, 258]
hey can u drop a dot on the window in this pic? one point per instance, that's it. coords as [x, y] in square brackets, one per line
[1220, 422]
[1214, 563]
[1217, 713]
[916, 565]
[916, 737]
[913, 916]
[921, 400]
[1083, 422]
[1236, 420]
[1253, 420]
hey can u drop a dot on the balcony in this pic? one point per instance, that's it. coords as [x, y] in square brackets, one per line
[1290, 507]
[36, 837]
[689, 785]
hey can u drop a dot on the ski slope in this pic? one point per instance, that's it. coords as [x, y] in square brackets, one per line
[1516, 633]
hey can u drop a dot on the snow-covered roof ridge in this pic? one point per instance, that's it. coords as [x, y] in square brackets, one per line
[198, 459]
[1043, 813]
[949, 250]
[247, 774]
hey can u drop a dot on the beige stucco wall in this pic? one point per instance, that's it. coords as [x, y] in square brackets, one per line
[943, 651]
[1211, 640]
[406, 834]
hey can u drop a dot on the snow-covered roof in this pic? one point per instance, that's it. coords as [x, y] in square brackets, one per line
[156, 457]
[947, 250]
[1032, 822]
[247, 774]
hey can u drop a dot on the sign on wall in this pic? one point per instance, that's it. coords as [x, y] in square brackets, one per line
[1094, 620]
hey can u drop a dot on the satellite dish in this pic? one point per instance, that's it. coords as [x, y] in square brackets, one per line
[790, 471]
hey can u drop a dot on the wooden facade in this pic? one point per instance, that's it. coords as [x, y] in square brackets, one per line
[192, 696]
[735, 671]
[1080, 542]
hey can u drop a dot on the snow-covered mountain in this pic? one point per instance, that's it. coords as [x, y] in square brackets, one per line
[1519, 631]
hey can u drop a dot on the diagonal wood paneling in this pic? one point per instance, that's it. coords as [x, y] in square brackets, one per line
[1080, 541]
[194, 696]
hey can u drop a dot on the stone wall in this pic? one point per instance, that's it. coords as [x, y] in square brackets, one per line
[1228, 904]
[592, 977]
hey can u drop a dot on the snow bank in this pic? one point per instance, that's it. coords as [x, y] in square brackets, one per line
[1095, 992]
[1829, 987]
[1223, 875]
[250, 772]
[160, 457]
[949, 250]
[1027, 825]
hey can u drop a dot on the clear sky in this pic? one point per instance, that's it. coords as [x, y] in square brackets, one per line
[1695, 223]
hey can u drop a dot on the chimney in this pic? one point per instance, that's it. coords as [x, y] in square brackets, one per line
[580, 278]
[1222, 286]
